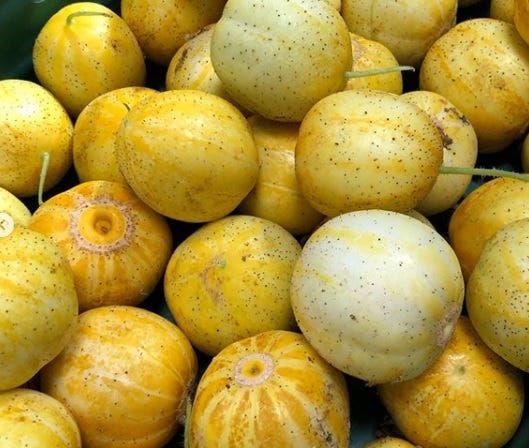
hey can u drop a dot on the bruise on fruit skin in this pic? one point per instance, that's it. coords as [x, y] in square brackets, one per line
[181, 60]
[212, 283]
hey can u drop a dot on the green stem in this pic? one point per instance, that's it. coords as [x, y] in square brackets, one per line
[378, 71]
[488, 172]
[75, 14]
[43, 173]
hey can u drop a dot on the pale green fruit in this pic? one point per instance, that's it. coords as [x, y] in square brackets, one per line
[278, 58]
[378, 294]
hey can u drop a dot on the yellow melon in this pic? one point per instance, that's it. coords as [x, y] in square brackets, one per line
[117, 246]
[270, 390]
[125, 375]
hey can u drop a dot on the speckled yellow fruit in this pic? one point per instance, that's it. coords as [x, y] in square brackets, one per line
[117, 246]
[29, 418]
[521, 18]
[361, 149]
[276, 195]
[497, 296]
[230, 279]
[32, 122]
[460, 149]
[407, 27]
[470, 397]
[377, 293]
[38, 304]
[481, 66]
[85, 50]
[390, 442]
[14, 207]
[163, 26]
[125, 375]
[270, 390]
[369, 55]
[95, 130]
[482, 213]
[278, 58]
[188, 154]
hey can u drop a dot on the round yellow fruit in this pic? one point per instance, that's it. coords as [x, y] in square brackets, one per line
[188, 154]
[33, 122]
[125, 375]
[13, 206]
[270, 390]
[163, 26]
[470, 397]
[230, 279]
[365, 149]
[29, 418]
[38, 304]
[95, 131]
[390, 442]
[276, 195]
[85, 50]
[482, 213]
[117, 246]
[497, 297]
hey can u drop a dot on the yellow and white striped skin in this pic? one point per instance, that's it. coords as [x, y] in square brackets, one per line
[269, 390]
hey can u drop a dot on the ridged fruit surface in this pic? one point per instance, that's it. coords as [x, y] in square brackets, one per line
[270, 390]
[117, 245]
[125, 375]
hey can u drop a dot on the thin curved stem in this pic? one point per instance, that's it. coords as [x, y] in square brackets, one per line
[486, 172]
[43, 173]
[75, 14]
[378, 71]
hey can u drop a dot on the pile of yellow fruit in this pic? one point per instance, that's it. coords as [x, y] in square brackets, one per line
[274, 223]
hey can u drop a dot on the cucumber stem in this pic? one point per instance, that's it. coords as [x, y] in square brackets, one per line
[43, 172]
[75, 14]
[378, 71]
[487, 172]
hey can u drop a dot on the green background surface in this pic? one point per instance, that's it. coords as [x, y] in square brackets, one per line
[20, 21]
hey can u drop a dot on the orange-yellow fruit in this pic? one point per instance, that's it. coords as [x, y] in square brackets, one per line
[270, 390]
[32, 122]
[276, 195]
[390, 442]
[117, 245]
[38, 304]
[95, 131]
[85, 50]
[29, 418]
[230, 279]
[470, 397]
[482, 213]
[125, 375]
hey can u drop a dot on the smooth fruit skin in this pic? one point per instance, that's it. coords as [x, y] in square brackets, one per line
[482, 213]
[117, 246]
[460, 149]
[276, 195]
[377, 293]
[390, 442]
[125, 375]
[363, 149]
[15, 207]
[188, 154]
[82, 57]
[270, 390]
[470, 397]
[406, 27]
[278, 58]
[230, 279]
[33, 121]
[163, 26]
[95, 131]
[481, 65]
[29, 418]
[38, 304]
[497, 296]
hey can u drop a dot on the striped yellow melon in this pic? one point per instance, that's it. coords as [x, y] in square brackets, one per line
[270, 390]
[29, 418]
[125, 375]
[117, 246]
